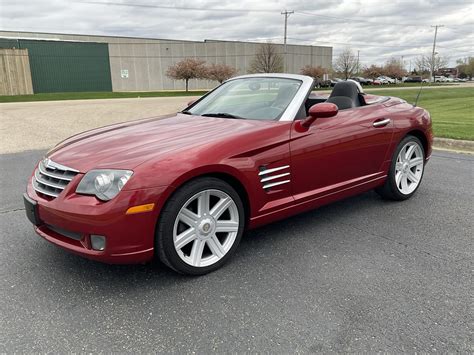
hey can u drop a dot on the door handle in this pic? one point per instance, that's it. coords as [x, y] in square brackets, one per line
[381, 123]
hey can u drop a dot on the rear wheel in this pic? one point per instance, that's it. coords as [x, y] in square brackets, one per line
[200, 227]
[406, 170]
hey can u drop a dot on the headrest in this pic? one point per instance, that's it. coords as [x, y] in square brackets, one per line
[345, 88]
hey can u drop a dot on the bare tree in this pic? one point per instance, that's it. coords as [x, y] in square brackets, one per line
[220, 72]
[267, 60]
[317, 73]
[465, 67]
[314, 72]
[373, 71]
[421, 64]
[186, 69]
[346, 63]
[394, 69]
[424, 63]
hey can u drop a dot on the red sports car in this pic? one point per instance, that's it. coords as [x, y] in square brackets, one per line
[256, 149]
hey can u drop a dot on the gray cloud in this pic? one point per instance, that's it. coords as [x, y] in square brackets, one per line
[378, 29]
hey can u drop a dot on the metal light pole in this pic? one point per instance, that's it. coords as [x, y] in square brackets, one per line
[287, 14]
[358, 70]
[434, 52]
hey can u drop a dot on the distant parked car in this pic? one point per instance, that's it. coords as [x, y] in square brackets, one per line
[413, 79]
[387, 79]
[362, 81]
[440, 79]
[320, 83]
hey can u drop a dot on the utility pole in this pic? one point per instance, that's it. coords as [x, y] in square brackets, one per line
[434, 52]
[287, 14]
[358, 53]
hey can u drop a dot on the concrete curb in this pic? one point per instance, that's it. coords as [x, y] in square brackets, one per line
[454, 145]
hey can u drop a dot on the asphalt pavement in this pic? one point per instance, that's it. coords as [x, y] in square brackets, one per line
[360, 275]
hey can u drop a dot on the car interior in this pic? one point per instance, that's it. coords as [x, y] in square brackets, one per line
[271, 103]
[345, 95]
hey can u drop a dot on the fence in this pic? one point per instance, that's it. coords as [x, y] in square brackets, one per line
[15, 75]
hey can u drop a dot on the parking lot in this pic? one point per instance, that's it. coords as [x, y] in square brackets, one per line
[361, 275]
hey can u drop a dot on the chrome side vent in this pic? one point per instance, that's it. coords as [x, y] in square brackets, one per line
[274, 176]
[51, 178]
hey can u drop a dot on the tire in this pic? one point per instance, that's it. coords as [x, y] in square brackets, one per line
[195, 237]
[405, 173]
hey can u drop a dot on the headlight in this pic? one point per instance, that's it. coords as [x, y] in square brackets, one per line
[104, 184]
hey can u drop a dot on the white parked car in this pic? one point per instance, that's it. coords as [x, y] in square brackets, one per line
[440, 79]
[388, 79]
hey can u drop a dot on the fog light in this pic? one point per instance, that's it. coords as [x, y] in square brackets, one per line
[98, 242]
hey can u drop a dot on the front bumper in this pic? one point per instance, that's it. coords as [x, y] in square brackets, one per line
[69, 220]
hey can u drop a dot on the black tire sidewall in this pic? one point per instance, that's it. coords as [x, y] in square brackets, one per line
[164, 243]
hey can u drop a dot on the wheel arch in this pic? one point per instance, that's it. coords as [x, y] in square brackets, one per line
[421, 136]
[237, 185]
[224, 173]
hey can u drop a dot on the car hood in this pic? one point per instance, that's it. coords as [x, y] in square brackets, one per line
[127, 145]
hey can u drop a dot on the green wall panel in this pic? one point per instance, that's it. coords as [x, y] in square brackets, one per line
[58, 66]
[8, 43]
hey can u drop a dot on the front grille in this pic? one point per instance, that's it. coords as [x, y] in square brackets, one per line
[51, 178]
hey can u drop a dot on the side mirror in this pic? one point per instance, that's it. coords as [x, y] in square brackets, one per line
[321, 110]
[191, 102]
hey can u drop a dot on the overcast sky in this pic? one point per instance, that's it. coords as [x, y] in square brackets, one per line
[378, 29]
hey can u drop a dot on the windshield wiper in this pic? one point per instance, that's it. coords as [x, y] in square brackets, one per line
[221, 114]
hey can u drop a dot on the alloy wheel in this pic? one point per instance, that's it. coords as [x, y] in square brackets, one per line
[206, 227]
[409, 168]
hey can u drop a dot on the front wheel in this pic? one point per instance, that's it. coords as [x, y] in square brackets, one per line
[200, 227]
[406, 170]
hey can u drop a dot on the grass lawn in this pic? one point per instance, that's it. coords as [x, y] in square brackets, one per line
[452, 110]
[96, 95]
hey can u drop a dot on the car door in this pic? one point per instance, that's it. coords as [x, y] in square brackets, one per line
[339, 152]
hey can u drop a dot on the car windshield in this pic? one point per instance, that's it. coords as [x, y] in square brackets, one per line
[260, 98]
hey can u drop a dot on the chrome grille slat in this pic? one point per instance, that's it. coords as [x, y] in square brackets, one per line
[43, 191]
[51, 178]
[267, 178]
[48, 183]
[47, 173]
[269, 171]
[267, 186]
